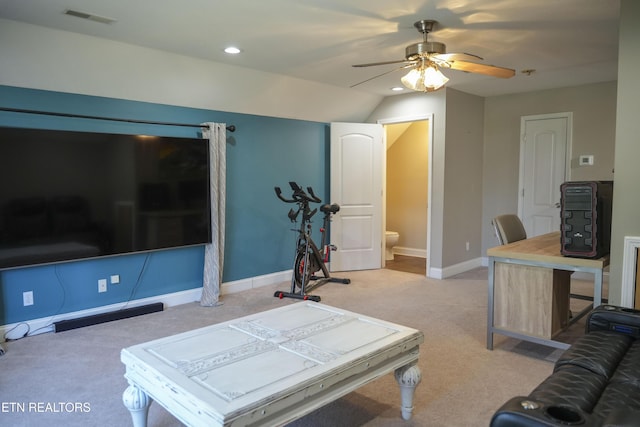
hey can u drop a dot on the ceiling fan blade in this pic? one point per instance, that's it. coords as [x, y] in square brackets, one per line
[383, 63]
[383, 74]
[461, 56]
[472, 67]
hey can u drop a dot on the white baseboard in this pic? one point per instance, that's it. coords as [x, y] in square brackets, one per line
[400, 250]
[452, 270]
[45, 324]
[255, 282]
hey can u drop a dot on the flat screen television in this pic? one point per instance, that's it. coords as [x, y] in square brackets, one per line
[68, 195]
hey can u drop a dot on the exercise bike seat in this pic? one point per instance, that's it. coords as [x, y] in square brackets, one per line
[333, 208]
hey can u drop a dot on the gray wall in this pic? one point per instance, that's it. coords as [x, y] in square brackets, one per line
[594, 114]
[456, 197]
[463, 178]
[408, 107]
[626, 203]
[476, 156]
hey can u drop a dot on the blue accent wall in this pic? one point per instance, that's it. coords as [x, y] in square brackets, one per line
[262, 153]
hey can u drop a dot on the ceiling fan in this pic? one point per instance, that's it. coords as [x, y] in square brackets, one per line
[425, 58]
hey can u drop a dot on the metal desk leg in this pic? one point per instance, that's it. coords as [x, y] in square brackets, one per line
[491, 286]
[597, 287]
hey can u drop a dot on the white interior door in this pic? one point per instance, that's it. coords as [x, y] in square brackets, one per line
[543, 168]
[356, 185]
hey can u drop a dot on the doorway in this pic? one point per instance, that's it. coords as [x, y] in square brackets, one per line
[545, 163]
[406, 201]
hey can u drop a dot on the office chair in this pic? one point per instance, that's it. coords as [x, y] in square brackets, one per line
[508, 228]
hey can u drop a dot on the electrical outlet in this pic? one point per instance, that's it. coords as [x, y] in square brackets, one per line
[27, 298]
[115, 279]
[102, 285]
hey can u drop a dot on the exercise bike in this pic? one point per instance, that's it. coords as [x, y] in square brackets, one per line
[308, 261]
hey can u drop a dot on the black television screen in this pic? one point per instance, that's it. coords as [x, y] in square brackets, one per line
[71, 195]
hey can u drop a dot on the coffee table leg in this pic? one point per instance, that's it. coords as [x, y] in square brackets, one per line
[408, 378]
[137, 402]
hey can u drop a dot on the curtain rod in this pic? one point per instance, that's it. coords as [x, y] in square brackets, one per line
[230, 128]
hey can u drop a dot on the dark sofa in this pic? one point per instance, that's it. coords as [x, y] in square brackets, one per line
[596, 382]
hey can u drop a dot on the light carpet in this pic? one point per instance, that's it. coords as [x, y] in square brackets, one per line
[463, 383]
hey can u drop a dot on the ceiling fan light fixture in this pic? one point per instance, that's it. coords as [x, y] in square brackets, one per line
[425, 78]
[425, 57]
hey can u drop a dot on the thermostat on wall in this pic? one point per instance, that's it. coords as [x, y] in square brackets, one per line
[586, 160]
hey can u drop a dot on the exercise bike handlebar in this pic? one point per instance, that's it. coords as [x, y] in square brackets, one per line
[281, 197]
[313, 196]
[298, 195]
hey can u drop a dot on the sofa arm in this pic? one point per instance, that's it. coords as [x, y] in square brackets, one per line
[525, 412]
[613, 318]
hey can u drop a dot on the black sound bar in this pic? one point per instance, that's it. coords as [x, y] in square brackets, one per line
[66, 325]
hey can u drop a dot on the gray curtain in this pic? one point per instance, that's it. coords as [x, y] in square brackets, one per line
[216, 133]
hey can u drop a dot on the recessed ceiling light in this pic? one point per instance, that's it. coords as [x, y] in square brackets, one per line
[232, 50]
[397, 89]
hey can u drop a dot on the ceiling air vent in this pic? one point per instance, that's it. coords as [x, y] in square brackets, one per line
[89, 16]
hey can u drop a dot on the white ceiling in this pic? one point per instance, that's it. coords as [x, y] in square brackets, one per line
[567, 42]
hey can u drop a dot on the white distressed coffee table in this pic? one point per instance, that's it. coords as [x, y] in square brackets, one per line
[269, 368]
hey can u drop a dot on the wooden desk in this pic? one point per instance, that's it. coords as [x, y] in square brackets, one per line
[270, 368]
[531, 263]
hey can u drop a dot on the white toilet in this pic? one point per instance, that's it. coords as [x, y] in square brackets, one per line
[392, 238]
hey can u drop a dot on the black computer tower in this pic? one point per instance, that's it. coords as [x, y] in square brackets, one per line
[586, 218]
